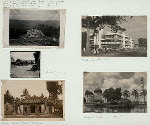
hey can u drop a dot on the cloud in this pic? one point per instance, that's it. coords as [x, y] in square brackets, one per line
[24, 14]
[135, 28]
[22, 55]
[137, 78]
[125, 80]
[126, 75]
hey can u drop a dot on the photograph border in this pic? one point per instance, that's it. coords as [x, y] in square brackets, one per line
[26, 77]
[30, 119]
[5, 36]
[113, 56]
[110, 113]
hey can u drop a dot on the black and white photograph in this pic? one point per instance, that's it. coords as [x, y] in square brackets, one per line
[114, 92]
[114, 36]
[33, 99]
[25, 64]
[35, 27]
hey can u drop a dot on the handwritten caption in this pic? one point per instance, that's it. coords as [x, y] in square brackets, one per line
[32, 3]
[99, 117]
[53, 72]
[21, 123]
[95, 60]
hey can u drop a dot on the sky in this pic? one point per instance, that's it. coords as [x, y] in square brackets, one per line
[105, 80]
[35, 87]
[136, 27]
[24, 14]
[22, 55]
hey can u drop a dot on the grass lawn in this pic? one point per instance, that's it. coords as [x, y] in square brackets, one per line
[128, 53]
[33, 42]
[35, 116]
[23, 71]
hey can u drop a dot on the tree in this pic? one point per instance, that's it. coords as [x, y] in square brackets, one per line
[8, 97]
[112, 95]
[84, 39]
[49, 31]
[84, 100]
[54, 90]
[37, 59]
[135, 94]
[17, 29]
[143, 94]
[25, 93]
[118, 94]
[142, 42]
[96, 23]
[126, 94]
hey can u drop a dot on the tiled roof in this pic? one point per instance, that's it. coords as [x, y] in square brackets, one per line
[40, 100]
[34, 100]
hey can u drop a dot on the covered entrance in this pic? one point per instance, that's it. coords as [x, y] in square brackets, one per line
[32, 108]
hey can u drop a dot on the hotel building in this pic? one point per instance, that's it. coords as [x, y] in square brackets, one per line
[110, 41]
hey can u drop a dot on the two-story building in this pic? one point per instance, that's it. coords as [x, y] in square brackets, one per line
[91, 97]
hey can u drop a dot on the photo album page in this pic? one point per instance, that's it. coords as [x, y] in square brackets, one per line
[75, 62]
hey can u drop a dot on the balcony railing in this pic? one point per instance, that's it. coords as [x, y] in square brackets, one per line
[111, 43]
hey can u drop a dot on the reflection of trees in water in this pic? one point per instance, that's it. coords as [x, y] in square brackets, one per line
[115, 109]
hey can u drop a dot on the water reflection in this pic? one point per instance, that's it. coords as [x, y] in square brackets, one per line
[115, 109]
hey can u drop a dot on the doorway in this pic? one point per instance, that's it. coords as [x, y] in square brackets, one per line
[25, 110]
[32, 108]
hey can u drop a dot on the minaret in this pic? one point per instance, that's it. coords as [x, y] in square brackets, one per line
[142, 82]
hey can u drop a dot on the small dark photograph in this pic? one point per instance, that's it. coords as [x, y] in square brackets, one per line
[25, 64]
[115, 92]
[34, 27]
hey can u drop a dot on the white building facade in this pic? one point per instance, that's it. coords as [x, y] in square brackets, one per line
[111, 41]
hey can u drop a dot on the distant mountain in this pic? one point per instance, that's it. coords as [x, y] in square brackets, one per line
[31, 23]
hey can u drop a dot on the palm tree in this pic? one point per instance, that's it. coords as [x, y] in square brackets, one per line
[25, 93]
[143, 94]
[135, 94]
[126, 94]
[8, 98]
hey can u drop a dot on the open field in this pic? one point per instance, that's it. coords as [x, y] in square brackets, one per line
[35, 116]
[33, 42]
[23, 71]
[128, 53]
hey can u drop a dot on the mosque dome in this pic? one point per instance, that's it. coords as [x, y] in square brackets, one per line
[98, 90]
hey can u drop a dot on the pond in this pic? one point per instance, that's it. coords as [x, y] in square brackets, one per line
[114, 109]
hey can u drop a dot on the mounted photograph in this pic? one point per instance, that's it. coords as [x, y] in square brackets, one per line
[34, 27]
[25, 64]
[114, 92]
[114, 36]
[35, 100]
